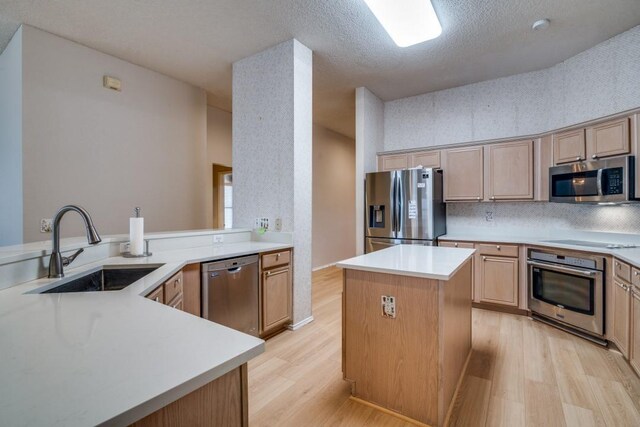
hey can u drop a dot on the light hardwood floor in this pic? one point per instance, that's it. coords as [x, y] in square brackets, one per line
[521, 372]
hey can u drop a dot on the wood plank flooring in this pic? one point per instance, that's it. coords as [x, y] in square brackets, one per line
[521, 372]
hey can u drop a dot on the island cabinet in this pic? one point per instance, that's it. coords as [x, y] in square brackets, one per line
[509, 171]
[276, 292]
[464, 245]
[611, 138]
[220, 403]
[498, 274]
[463, 174]
[407, 339]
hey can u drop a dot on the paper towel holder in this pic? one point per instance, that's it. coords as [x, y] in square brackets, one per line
[142, 255]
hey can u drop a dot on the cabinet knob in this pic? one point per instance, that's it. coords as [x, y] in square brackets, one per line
[492, 197]
[636, 273]
[456, 245]
[498, 247]
[277, 256]
[578, 158]
[478, 198]
[594, 156]
[484, 258]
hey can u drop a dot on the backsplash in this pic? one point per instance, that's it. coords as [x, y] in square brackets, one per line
[543, 217]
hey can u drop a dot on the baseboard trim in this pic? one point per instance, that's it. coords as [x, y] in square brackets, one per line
[388, 412]
[322, 267]
[300, 324]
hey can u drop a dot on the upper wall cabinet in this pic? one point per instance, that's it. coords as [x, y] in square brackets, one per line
[393, 162]
[569, 146]
[509, 171]
[463, 174]
[602, 140]
[426, 159]
[608, 139]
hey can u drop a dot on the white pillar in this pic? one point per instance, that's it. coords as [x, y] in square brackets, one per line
[272, 137]
[369, 141]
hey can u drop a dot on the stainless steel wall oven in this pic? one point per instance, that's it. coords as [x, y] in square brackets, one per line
[567, 290]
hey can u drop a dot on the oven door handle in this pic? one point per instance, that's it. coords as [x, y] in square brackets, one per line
[551, 266]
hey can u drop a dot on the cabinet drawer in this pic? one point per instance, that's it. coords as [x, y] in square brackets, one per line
[498, 249]
[622, 270]
[173, 287]
[157, 295]
[635, 278]
[462, 245]
[177, 302]
[275, 259]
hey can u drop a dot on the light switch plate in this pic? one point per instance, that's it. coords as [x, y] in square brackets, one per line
[218, 238]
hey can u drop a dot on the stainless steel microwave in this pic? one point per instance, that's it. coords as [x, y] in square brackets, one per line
[599, 181]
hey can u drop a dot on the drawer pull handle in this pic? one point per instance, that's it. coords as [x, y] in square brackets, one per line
[578, 158]
[484, 258]
[595, 156]
[277, 256]
[498, 247]
[478, 198]
[636, 273]
[492, 197]
[157, 299]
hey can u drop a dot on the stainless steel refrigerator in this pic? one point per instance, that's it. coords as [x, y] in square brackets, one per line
[403, 207]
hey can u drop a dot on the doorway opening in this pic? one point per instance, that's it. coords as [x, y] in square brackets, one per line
[222, 196]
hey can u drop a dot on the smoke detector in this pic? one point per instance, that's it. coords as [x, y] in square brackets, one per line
[541, 24]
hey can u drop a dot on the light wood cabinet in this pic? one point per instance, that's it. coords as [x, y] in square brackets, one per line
[543, 160]
[157, 295]
[463, 174]
[569, 146]
[170, 292]
[608, 139]
[499, 280]
[392, 162]
[426, 159]
[276, 292]
[191, 289]
[509, 171]
[464, 245]
[634, 357]
[622, 270]
[612, 138]
[621, 316]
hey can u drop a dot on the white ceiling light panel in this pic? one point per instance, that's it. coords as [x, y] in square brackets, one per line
[408, 22]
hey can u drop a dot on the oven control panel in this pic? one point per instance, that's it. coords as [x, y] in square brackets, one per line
[564, 259]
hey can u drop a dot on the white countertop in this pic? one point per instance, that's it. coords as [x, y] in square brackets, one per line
[630, 255]
[428, 262]
[90, 358]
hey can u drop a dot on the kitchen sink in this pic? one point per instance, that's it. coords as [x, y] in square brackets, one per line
[105, 278]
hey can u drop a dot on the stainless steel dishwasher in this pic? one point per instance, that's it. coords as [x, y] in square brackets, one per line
[230, 293]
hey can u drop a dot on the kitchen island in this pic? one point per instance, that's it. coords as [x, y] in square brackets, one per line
[407, 328]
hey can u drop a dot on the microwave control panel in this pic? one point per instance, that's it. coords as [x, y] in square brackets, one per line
[612, 181]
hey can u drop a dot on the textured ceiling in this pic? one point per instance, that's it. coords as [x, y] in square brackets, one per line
[198, 40]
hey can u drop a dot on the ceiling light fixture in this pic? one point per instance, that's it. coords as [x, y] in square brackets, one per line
[408, 22]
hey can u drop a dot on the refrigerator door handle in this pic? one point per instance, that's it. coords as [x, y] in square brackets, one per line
[396, 204]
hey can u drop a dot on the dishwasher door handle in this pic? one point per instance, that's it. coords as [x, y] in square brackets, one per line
[234, 270]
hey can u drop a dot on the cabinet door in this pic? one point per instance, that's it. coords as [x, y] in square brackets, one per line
[569, 146]
[426, 159]
[191, 289]
[621, 316]
[608, 139]
[635, 331]
[499, 280]
[510, 171]
[276, 298]
[393, 162]
[463, 174]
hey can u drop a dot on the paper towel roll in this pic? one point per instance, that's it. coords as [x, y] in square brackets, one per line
[136, 236]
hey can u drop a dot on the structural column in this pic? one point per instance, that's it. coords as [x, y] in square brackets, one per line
[272, 133]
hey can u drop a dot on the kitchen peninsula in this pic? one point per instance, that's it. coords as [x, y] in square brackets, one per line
[407, 328]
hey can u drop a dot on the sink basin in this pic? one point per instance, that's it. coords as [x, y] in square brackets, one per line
[105, 278]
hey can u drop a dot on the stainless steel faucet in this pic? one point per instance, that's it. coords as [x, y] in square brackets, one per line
[57, 262]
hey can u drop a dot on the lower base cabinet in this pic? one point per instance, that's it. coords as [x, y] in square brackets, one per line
[621, 316]
[634, 359]
[276, 292]
[220, 403]
[499, 280]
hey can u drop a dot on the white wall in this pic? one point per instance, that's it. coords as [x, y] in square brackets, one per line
[334, 213]
[110, 151]
[369, 141]
[595, 83]
[218, 137]
[11, 142]
[272, 150]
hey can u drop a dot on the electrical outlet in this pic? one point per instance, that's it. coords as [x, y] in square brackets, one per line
[278, 224]
[218, 238]
[46, 225]
[261, 223]
[388, 306]
[488, 216]
[125, 247]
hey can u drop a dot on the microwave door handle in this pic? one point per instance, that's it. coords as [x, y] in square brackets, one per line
[599, 182]
[561, 268]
